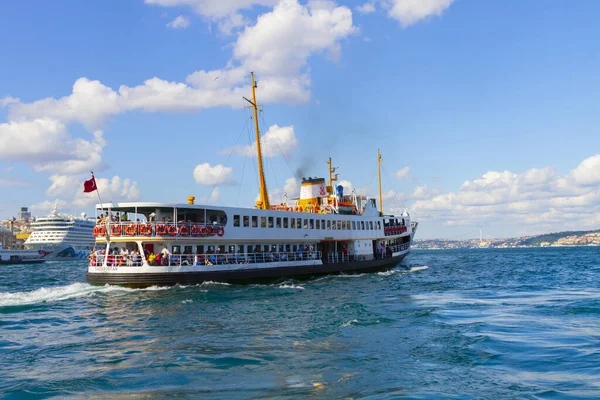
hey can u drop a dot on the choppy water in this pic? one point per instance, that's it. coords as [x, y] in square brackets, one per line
[486, 324]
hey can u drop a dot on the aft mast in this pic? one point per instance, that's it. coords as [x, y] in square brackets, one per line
[379, 177]
[263, 202]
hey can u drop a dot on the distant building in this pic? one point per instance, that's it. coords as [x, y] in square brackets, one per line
[24, 214]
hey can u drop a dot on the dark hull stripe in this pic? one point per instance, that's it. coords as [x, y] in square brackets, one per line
[239, 276]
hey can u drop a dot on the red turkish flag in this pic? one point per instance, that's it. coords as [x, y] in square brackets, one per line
[90, 186]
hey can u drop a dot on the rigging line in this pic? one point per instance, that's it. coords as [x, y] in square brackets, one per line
[253, 156]
[395, 199]
[229, 157]
[262, 115]
[237, 201]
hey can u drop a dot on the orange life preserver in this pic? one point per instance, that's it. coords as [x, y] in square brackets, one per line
[195, 231]
[210, 231]
[172, 230]
[116, 230]
[203, 231]
[101, 230]
[96, 231]
[161, 230]
[220, 231]
[146, 230]
[184, 231]
[131, 230]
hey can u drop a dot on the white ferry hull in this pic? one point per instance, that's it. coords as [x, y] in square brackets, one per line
[253, 272]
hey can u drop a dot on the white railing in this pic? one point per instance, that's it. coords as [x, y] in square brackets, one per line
[338, 257]
[135, 260]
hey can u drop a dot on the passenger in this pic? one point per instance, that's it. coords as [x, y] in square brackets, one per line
[299, 252]
[151, 258]
[165, 253]
[135, 258]
[124, 217]
[159, 259]
[283, 257]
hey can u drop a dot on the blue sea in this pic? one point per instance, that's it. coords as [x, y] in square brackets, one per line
[456, 324]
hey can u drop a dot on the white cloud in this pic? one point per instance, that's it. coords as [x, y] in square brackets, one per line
[409, 12]
[46, 145]
[215, 196]
[291, 188]
[277, 47]
[536, 200]
[181, 22]
[68, 191]
[403, 173]
[278, 141]
[204, 174]
[111, 190]
[366, 8]
[7, 101]
[424, 192]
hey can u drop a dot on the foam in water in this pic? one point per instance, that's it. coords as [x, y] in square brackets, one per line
[60, 293]
[286, 286]
[415, 269]
[349, 323]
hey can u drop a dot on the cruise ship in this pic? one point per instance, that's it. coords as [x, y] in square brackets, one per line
[62, 237]
[323, 231]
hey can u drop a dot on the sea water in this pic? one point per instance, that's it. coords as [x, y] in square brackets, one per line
[480, 324]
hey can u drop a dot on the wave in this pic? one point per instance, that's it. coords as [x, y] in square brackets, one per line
[289, 286]
[415, 269]
[60, 293]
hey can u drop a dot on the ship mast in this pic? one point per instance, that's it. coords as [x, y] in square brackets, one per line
[263, 202]
[379, 177]
[332, 178]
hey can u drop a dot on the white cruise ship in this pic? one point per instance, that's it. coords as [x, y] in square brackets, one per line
[62, 237]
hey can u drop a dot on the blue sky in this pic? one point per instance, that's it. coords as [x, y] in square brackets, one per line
[486, 112]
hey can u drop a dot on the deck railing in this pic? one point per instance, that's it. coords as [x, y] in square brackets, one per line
[136, 260]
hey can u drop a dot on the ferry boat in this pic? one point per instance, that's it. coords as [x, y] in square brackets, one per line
[62, 237]
[323, 231]
[10, 256]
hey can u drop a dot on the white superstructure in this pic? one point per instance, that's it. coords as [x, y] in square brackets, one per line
[62, 237]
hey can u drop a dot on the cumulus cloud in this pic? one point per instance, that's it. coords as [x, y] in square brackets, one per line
[403, 173]
[409, 12]
[204, 174]
[366, 8]
[8, 100]
[537, 200]
[278, 141]
[181, 22]
[46, 145]
[277, 47]
[68, 192]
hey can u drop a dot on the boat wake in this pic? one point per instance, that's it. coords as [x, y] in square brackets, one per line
[61, 293]
[416, 269]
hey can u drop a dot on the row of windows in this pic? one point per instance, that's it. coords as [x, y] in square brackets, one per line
[242, 248]
[306, 223]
